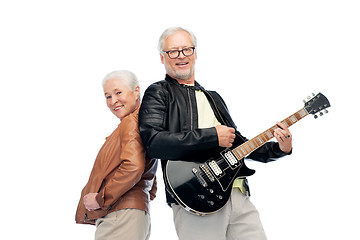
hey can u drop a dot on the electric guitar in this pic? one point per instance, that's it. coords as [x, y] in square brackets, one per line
[203, 188]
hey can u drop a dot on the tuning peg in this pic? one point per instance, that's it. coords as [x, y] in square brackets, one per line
[313, 94]
[315, 116]
[326, 111]
[308, 97]
[304, 101]
[321, 113]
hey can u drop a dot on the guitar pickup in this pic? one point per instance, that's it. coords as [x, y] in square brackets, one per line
[207, 172]
[230, 158]
[215, 168]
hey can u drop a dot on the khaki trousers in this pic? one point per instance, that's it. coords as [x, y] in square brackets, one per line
[125, 224]
[237, 220]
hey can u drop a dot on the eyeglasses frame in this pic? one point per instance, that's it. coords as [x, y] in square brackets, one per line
[178, 51]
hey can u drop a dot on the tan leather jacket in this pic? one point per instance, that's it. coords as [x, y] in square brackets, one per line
[121, 175]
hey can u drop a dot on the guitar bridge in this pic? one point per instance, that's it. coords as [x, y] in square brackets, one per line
[199, 177]
[207, 172]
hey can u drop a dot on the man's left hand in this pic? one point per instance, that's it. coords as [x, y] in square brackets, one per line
[284, 137]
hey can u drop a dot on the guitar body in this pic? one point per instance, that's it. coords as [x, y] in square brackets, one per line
[197, 187]
[203, 186]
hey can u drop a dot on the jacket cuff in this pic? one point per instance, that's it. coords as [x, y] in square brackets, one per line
[289, 152]
[281, 152]
[100, 198]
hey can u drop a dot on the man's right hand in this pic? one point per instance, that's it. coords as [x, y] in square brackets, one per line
[226, 135]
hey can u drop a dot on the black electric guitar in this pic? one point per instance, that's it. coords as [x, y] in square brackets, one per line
[204, 187]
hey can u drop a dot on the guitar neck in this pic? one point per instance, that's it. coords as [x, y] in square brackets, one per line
[246, 148]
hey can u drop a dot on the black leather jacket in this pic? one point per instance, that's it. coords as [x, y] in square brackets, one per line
[168, 124]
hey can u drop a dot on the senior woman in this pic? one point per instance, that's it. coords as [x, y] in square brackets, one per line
[122, 181]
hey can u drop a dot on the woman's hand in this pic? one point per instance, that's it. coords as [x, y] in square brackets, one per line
[90, 202]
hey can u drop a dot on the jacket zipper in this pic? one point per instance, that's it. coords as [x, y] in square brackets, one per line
[191, 110]
[86, 215]
[107, 211]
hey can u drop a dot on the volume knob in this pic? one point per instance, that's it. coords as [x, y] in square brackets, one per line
[219, 197]
[201, 197]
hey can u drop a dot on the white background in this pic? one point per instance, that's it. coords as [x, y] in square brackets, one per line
[263, 57]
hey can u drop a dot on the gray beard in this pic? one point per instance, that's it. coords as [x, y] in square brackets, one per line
[184, 76]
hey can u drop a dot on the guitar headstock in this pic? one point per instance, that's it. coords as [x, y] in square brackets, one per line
[317, 104]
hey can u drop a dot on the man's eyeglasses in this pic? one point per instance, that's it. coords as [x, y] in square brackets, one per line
[176, 53]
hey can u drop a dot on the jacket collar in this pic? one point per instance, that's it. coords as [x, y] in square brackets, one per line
[197, 86]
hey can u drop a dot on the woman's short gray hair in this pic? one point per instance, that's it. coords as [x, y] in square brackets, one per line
[170, 31]
[125, 75]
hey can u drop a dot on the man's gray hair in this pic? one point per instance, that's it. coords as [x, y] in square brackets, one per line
[128, 77]
[170, 31]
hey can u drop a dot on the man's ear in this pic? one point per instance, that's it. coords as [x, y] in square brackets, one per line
[162, 58]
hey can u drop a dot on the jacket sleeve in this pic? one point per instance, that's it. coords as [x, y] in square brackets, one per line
[155, 134]
[131, 167]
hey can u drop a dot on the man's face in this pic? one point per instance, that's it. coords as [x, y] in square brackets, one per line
[181, 68]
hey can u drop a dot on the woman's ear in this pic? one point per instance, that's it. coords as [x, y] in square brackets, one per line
[137, 92]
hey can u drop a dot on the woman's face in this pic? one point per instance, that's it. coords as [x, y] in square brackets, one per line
[119, 98]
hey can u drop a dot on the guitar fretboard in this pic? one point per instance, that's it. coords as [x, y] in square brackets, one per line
[246, 148]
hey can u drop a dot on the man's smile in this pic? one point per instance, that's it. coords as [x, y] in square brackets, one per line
[182, 64]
